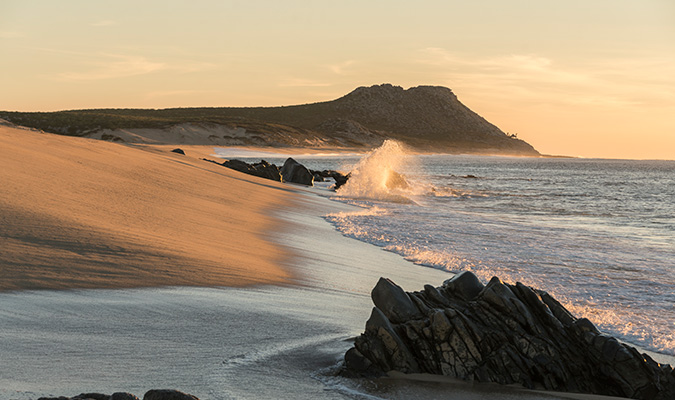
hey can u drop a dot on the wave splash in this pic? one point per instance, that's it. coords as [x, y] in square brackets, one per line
[496, 223]
[376, 175]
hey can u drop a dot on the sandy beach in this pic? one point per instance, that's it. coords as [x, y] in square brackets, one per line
[127, 268]
[83, 213]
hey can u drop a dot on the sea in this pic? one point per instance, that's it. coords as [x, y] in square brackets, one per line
[597, 234]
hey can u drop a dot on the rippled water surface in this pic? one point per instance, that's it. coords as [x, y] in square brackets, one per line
[597, 234]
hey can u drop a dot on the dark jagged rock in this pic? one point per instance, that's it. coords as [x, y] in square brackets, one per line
[262, 169]
[123, 396]
[465, 285]
[166, 394]
[92, 396]
[154, 394]
[179, 151]
[54, 398]
[339, 178]
[501, 333]
[391, 300]
[294, 172]
[81, 396]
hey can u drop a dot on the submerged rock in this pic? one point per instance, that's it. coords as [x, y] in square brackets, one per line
[294, 172]
[500, 333]
[396, 181]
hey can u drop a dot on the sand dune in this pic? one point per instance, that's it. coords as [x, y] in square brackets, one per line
[83, 213]
[188, 133]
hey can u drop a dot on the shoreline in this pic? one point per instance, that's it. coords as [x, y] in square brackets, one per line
[226, 342]
[223, 342]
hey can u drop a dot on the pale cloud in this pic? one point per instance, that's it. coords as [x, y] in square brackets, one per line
[174, 93]
[296, 82]
[104, 66]
[340, 68]
[115, 66]
[103, 23]
[531, 77]
[523, 61]
[10, 35]
[522, 66]
[185, 67]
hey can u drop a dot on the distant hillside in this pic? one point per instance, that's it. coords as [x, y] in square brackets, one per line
[425, 117]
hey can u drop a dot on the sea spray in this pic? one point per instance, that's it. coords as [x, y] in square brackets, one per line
[377, 175]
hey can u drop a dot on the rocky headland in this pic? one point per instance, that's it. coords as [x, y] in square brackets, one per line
[501, 333]
[427, 118]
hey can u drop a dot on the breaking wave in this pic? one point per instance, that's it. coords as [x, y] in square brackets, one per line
[377, 175]
[550, 224]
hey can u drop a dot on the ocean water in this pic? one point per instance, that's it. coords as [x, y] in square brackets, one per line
[599, 235]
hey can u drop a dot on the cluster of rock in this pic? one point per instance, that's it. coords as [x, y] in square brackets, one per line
[339, 178]
[292, 171]
[262, 169]
[502, 333]
[154, 394]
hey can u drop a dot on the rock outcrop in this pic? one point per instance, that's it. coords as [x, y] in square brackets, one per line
[339, 178]
[154, 394]
[502, 333]
[262, 169]
[294, 172]
[167, 394]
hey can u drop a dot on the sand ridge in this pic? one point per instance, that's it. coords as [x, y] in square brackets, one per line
[84, 213]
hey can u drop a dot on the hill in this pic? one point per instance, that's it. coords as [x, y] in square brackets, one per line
[429, 118]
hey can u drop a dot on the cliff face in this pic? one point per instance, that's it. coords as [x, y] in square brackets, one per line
[429, 118]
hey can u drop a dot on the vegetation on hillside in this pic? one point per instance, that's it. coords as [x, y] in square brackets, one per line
[81, 122]
[426, 117]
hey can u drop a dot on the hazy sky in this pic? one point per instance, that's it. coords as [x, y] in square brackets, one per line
[593, 78]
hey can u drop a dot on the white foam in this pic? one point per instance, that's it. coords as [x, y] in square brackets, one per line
[374, 177]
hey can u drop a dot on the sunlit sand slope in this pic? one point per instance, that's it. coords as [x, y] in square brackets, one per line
[82, 213]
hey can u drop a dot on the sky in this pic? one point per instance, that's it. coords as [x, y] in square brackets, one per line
[591, 78]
